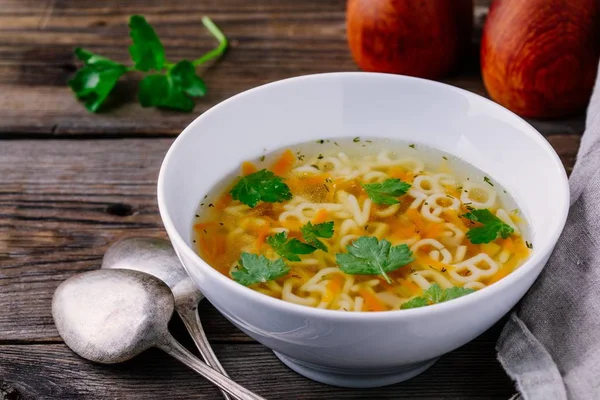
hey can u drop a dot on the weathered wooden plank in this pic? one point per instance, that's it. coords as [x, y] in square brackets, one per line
[270, 40]
[52, 371]
[62, 202]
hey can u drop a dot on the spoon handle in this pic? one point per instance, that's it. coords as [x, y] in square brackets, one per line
[172, 347]
[194, 326]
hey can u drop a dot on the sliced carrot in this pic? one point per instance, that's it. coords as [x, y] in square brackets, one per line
[346, 185]
[384, 283]
[396, 172]
[412, 286]
[295, 184]
[372, 303]
[248, 168]
[315, 180]
[321, 216]
[220, 245]
[212, 247]
[200, 226]
[402, 174]
[508, 245]
[262, 235]
[433, 230]
[401, 228]
[416, 218]
[334, 288]
[223, 201]
[284, 164]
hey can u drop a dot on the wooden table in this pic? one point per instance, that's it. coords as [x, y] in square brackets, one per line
[72, 182]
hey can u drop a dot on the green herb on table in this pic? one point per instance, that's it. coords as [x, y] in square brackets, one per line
[386, 192]
[434, 295]
[259, 186]
[93, 83]
[254, 269]
[171, 86]
[492, 227]
[289, 248]
[311, 233]
[369, 256]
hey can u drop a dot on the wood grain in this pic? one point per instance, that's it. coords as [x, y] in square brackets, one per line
[52, 371]
[270, 40]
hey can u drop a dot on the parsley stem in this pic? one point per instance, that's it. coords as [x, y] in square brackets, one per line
[218, 34]
[386, 277]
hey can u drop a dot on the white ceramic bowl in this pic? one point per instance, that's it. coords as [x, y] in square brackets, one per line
[363, 349]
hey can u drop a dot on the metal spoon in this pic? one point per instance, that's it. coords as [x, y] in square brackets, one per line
[157, 257]
[110, 316]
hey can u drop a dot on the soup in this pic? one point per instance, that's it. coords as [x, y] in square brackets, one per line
[361, 225]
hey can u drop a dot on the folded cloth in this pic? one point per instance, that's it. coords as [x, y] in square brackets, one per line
[551, 344]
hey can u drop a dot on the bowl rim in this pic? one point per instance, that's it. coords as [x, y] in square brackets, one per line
[538, 254]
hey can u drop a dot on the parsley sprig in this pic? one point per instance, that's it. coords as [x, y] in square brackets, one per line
[369, 256]
[434, 295]
[492, 227]
[173, 85]
[259, 186]
[311, 233]
[386, 192]
[254, 269]
[289, 248]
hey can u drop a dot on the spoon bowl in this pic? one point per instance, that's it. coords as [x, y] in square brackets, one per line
[110, 316]
[158, 258]
[115, 328]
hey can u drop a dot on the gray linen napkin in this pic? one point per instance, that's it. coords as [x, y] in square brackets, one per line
[551, 343]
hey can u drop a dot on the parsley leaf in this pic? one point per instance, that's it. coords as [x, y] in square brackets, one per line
[415, 303]
[435, 294]
[456, 292]
[261, 185]
[492, 228]
[369, 256]
[258, 269]
[147, 51]
[289, 248]
[172, 84]
[311, 232]
[172, 90]
[386, 192]
[94, 82]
